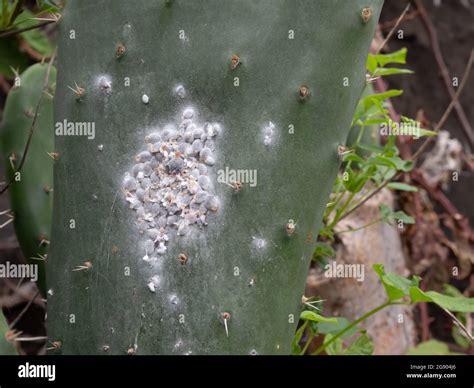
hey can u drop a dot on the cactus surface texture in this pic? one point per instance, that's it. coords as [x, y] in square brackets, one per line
[31, 191]
[185, 217]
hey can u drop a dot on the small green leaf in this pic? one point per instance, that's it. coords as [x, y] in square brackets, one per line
[399, 56]
[427, 133]
[451, 303]
[383, 161]
[362, 346]
[323, 251]
[356, 182]
[402, 187]
[401, 282]
[431, 348]
[389, 216]
[372, 99]
[312, 316]
[47, 6]
[376, 121]
[396, 286]
[295, 344]
[36, 38]
[460, 338]
[393, 293]
[327, 233]
[403, 217]
[353, 158]
[383, 72]
[451, 290]
[370, 148]
[400, 164]
[371, 63]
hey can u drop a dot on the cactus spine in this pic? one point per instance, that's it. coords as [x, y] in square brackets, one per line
[268, 78]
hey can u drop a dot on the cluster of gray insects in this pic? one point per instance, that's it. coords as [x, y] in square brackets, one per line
[169, 186]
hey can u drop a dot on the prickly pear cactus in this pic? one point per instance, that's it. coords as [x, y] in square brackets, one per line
[31, 191]
[197, 147]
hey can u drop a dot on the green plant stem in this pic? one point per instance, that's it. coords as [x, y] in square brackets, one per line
[361, 227]
[308, 342]
[353, 324]
[17, 10]
[19, 31]
[341, 211]
[348, 166]
[385, 182]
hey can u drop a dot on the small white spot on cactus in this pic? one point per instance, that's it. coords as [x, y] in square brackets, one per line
[50, 292]
[145, 99]
[149, 246]
[105, 83]
[151, 286]
[180, 91]
[100, 147]
[268, 133]
[251, 282]
[173, 299]
[106, 348]
[156, 280]
[259, 243]
[95, 197]
[161, 248]
[253, 352]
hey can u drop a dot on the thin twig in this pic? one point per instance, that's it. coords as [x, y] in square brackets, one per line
[433, 36]
[392, 31]
[20, 30]
[33, 123]
[451, 105]
[386, 26]
[459, 324]
[25, 309]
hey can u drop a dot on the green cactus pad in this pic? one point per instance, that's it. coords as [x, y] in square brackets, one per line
[271, 74]
[31, 193]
